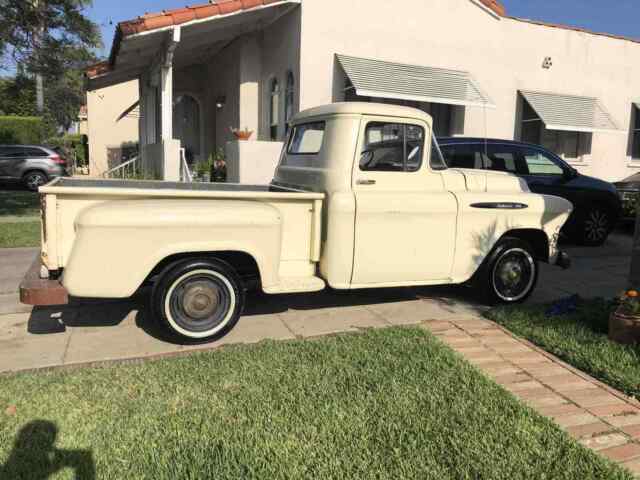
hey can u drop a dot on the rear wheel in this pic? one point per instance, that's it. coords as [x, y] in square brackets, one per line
[34, 180]
[510, 273]
[198, 300]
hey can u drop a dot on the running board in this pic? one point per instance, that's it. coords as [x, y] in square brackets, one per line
[296, 285]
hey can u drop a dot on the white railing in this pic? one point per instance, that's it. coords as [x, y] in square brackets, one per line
[185, 173]
[126, 169]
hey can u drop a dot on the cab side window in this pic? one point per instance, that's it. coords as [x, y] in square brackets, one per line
[392, 147]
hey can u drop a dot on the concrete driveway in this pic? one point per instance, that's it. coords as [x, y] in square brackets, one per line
[87, 332]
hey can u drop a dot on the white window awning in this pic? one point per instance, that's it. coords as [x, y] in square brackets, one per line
[377, 78]
[637, 104]
[570, 112]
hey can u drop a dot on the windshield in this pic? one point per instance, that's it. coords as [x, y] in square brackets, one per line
[437, 160]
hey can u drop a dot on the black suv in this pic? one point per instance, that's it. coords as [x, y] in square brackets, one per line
[596, 203]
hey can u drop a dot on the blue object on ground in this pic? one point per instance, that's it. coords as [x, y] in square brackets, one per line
[563, 306]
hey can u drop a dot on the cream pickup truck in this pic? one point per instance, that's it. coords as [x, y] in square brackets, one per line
[361, 198]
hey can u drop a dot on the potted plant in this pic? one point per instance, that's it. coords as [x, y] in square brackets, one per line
[244, 134]
[624, 323]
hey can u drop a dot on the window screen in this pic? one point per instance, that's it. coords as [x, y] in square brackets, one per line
[392, 147]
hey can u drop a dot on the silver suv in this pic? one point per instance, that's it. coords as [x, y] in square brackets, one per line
[32, 165]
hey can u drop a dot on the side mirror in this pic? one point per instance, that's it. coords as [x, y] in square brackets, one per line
[570, 174]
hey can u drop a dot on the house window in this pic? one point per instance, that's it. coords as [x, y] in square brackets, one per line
[635, 143]
[274, 95]
[289, 100]
[570, 146]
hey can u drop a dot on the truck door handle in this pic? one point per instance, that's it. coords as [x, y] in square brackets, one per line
[366, 182]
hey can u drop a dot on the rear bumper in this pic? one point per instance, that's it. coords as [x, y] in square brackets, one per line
[564, 260]
[39, 291]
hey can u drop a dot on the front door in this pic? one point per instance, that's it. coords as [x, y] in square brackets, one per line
[405, 220]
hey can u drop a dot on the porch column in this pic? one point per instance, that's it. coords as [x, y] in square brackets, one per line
[250, 73]
[170, 147]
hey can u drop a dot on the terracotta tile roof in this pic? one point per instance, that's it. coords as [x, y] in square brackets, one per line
[98, 69]
[178, 16]
[496, 6]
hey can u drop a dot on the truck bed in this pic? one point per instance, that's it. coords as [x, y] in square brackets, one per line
[66, 198]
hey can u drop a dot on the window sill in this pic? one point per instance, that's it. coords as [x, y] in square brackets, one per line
[634, 164]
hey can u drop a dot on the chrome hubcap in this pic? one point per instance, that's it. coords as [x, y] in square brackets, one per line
[513, 275]
[596, 225]
[200, 300]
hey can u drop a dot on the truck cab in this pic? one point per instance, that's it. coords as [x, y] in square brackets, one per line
[361, 198]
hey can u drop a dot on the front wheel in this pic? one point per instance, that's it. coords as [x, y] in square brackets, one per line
[198, 300]
[510, 273]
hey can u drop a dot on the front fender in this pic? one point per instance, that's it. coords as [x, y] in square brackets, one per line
[481, 226]
[118, 243]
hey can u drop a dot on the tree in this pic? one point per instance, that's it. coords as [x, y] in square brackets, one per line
[47, 39]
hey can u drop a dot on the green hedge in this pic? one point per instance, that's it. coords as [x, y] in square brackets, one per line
[21, 130]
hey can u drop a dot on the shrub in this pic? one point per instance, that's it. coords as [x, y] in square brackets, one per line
[71, 143]
[21, 130]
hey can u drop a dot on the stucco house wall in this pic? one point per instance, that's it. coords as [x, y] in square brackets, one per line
[504, 55]
[106, 131]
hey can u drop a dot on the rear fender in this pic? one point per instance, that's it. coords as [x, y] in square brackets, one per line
[118, 244]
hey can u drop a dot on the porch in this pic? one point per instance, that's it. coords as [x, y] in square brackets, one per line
[203, 71]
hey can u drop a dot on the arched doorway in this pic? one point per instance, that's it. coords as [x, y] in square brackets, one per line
[186, 126]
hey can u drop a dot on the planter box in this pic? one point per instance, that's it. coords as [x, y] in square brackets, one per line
[252, 162]
[624, 329]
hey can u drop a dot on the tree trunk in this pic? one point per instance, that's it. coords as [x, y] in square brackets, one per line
[634, 276]
[39, 94]
[38, 39]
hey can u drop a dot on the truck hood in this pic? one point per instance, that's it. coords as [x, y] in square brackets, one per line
[495, 182]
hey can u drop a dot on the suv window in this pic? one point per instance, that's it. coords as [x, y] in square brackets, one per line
[392, 147]
[11, 152]
[462, 156]
[540, 164]
[34, 152]
[504, 158]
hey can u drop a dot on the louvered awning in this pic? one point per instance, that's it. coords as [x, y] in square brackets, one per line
[377, 78]
[570, 112]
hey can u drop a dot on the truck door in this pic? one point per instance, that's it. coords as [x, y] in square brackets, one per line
[405, 219]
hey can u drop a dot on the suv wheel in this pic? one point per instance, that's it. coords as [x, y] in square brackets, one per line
[198, 300]
[34, 180]
[510, 273]
[593, 226]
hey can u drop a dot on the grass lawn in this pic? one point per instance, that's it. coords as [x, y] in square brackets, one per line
[579, 339]
[19, 219]
[21, 234]
[383, 404]
[19, 203]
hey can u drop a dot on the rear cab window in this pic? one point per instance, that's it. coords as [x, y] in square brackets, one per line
[304, 146]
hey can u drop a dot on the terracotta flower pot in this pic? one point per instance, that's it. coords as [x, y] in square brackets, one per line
[242, 134]
[623, 328]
